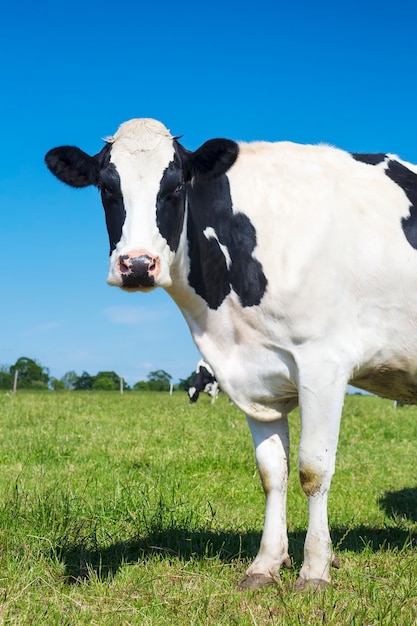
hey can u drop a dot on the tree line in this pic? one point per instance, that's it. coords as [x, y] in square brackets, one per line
[29, 374]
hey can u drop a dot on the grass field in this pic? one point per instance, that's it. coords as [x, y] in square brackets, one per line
[142, 509]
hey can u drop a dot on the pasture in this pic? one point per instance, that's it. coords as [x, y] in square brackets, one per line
[143, 509]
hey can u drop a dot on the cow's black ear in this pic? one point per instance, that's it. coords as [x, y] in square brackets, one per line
[73, 166]
[212, 159]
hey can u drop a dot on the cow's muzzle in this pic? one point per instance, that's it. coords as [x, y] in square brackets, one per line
[138, 269]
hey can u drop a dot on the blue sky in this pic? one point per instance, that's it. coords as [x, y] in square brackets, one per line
[340, 73]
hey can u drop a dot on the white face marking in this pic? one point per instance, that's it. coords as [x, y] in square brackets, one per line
[141, 151]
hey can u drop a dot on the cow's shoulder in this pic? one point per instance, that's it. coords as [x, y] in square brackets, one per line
[221, 244]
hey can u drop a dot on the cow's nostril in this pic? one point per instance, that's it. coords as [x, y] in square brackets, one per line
[123, 266]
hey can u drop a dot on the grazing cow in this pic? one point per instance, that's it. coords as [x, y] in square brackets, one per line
[204, 380]
[295, 268]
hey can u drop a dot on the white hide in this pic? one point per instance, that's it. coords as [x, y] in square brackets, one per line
[340, 306]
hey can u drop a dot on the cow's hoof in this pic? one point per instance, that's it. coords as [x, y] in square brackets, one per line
[255, 581]
[314, 584]
[335, 562]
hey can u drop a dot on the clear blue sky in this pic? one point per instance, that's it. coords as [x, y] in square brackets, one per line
[71, 72]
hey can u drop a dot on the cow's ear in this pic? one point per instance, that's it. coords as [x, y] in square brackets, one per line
[212, 159]
[73, 166]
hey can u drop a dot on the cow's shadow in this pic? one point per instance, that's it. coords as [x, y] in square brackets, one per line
[401, 504]
[184, 545]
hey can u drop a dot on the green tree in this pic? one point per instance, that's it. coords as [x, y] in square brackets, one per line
[69, 380]
[30, 374]
[104, 384]
[141, 385]
[186, 383]
[108, 381]
[159, 380]
[6, 378]
[84, 382]
[56, 384]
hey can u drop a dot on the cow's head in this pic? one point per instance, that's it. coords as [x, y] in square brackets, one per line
[142, 174]
[193, 394]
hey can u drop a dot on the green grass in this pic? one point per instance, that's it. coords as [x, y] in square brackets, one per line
[142, 509]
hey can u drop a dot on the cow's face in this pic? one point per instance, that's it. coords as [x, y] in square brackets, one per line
[193, 394]
[142, 174]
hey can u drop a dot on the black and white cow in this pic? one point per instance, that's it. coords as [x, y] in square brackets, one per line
[295, 268]
[204, 380]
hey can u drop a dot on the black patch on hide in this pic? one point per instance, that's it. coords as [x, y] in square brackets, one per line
[407, 180]
[370, 159]
[210, 206]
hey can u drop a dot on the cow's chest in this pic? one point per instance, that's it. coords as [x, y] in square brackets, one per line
[257, 373]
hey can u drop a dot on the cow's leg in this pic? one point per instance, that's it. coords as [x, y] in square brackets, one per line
[271, 440]
[214, 392]
[320, 420]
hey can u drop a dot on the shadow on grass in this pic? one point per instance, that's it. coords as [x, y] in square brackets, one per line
[181, 544]
[401, 504]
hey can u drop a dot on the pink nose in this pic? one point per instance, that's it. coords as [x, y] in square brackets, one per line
[138, 268]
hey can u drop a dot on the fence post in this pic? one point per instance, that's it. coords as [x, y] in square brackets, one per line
[121, 385]
[16, 374]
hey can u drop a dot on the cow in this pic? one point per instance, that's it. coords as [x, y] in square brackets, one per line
[295, 268]
[204, 380]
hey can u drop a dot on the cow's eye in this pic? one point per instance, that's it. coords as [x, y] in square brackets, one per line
[179, 187]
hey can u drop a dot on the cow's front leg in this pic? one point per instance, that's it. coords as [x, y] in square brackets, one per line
[320, 421]
[271, 440]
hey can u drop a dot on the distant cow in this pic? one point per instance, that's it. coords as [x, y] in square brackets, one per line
[295, 268]
[204, 380]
